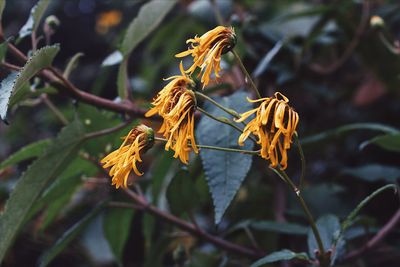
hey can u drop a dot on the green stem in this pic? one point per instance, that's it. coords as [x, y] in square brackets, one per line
[227, 110]
[282, 174]
[246, 73]
[250, 152]
[303, 160]
[54, 109]
[222, 120]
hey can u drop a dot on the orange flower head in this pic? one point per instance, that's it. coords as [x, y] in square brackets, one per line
[176, 104]
[274, 124]
[207, 49]
[125, 158]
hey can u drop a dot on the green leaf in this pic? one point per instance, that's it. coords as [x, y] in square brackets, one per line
[69, 236]
[279, 227]
[116, 227]
[390, 142]
[72, 64]
[283, 255]
[160, 169]
[3, 49]
[13, 87]
[6, 88]
[334, 133]
[34, 19]
[27, 152]
[374, 173]
[34, 181]
[2, 6]
[225, 171]
[329, 230]
[181, 193]
[150, 16]
[122, 80]
[112, 59]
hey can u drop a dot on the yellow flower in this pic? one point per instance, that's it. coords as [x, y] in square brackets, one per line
[108, 19]
[207, 49]
[125, 158]
[274, 125]
[176, 104]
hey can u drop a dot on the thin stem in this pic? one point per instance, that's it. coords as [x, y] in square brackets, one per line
[217, 12]
[227, 110]
[250, 152]
[246, 73]
[222, 120]
[303, 161]
[282, 174]
[108, 130]
[54, 109]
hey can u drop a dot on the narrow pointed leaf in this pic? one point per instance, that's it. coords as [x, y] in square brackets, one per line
[14, 86]
[150, 16]
[34, 19]
[27, 152]
[283, 255]
[34, 181]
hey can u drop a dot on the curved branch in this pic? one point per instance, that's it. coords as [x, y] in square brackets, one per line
[192, 229]
[349, 50]
[389, 226]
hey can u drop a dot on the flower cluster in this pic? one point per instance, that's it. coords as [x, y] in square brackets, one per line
[176, 103]
[273, 125]
[125, 158]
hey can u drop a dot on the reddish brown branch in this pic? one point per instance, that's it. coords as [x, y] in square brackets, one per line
[389, 226]
[60, 82]
[192, 229]
[349, 50]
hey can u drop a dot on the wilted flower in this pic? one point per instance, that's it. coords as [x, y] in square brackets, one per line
[207, 49]
[274, 125]
[124, 159]
[176, 104]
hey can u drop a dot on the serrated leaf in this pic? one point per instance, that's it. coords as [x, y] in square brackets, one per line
[181, 193]
[27, 152]
[374, 173]
[333, 133]
[112, 59]
[72, 64]
[122, 79]
[6, 88]
[329, 229]
[116, 227]
[283, 255]
[68, 236]
[34, 181]
[225, 171]
[13, 88]
[34, 19]
[150, 16]
[390, 142]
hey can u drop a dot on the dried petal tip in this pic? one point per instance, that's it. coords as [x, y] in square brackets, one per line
[274, 124]
[207, 49]
[125, 158]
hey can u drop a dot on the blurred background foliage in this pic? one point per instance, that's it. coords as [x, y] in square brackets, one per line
[336, 68]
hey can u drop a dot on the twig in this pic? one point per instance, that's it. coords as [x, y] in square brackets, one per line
[192, 229]
[389, 226]
[353, 44]
[11, 66]
[108, 130]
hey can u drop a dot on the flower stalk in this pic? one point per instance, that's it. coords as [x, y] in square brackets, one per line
[246, 73]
